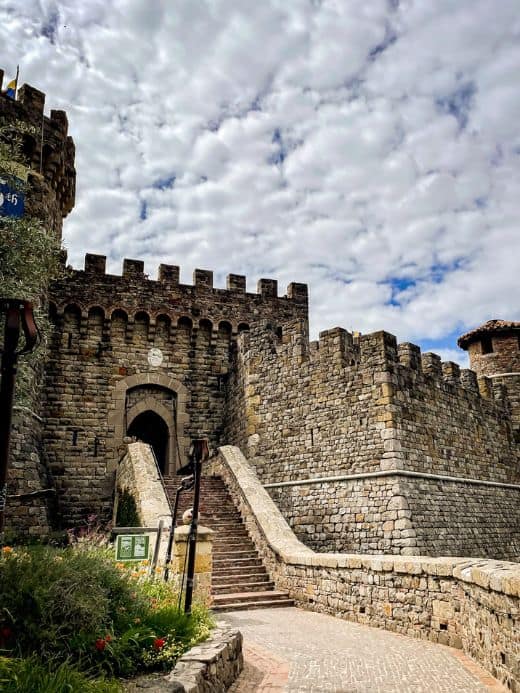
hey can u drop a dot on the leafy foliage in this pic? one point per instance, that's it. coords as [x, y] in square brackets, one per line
[76, 605]
[127, 515]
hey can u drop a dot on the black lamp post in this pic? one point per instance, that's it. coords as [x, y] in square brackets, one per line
[19, 317]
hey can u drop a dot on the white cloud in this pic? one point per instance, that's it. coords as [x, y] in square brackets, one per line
[370, 149]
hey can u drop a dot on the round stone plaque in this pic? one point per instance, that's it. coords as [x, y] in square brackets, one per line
[155, 357]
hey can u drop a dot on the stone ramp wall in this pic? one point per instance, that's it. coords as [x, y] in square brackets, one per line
[470, 603]
[138, 476]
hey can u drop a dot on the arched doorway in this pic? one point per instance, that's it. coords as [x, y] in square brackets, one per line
[150, 428]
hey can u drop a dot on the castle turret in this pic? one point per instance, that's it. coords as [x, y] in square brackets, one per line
[494, 348]
[47, 155]
[494, 352]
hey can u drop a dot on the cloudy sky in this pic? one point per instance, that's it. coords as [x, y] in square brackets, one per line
[370, 148]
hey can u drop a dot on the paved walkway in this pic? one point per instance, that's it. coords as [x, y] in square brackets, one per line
[295, 650]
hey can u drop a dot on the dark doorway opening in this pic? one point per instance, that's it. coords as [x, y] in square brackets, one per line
[150, 428]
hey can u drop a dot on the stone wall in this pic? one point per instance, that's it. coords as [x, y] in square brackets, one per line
[31, 495]
[210, 667]
[469, 603]
[392, 513]
[102, 372]
[381, 421]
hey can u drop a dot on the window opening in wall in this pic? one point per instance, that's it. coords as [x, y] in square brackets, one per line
[487, 345]
[74, 437]
[69, 342]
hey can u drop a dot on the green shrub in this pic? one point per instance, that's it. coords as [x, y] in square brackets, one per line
[127, 515]
[77, 605]
[31, 675]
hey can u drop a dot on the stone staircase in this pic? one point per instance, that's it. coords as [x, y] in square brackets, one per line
[239, 579]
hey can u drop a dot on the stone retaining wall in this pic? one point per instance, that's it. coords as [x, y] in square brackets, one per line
[470, 603]
[210, 667]
[392, 513]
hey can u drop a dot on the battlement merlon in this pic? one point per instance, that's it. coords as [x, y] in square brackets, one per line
[168, 275]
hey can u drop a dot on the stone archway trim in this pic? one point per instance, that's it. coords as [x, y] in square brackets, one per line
[116, 418]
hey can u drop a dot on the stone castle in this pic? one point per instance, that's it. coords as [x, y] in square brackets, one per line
[365, 445]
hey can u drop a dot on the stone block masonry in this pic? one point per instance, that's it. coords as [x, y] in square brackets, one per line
[125, 347]
[383, 422]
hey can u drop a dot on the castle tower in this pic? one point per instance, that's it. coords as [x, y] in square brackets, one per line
[494, 348]
[44, 167]
[494, 352]
[48, 156]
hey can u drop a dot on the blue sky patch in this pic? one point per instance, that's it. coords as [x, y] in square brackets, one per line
[165, 183]
[458, 103]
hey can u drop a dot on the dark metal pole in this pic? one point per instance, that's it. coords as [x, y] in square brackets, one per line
[18, 315]
[200, 453]
[186, 485]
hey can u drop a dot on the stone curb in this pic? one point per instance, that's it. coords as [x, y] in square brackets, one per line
[210, 667]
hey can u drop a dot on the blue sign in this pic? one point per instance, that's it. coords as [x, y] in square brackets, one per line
[12, 201]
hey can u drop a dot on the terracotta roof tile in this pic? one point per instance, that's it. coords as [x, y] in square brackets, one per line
[488, 327]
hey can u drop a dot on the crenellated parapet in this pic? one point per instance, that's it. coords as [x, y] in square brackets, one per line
[365, 402]
[47, 151]
[134, 297]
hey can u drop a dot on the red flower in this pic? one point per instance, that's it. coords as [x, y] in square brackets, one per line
[158, 643]
[100, 644]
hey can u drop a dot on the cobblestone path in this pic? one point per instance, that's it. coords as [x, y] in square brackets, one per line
[295, 650]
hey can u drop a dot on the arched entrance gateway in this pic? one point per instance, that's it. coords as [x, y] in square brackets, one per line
[151, 407]
[150, 428]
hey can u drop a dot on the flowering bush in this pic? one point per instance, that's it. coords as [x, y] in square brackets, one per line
[77, 605]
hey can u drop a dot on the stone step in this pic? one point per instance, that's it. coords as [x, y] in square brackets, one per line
[238, 587]
[226, 579]
[246, 606]
[227, 546]
[234, 555]
[235, 562]
[251, 600]
[228, 571]
[231, 541]
[249, 596]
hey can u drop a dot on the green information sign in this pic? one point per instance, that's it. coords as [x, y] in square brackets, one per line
[132, 547]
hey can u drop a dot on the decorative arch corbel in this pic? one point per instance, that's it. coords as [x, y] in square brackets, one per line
[119, 419]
